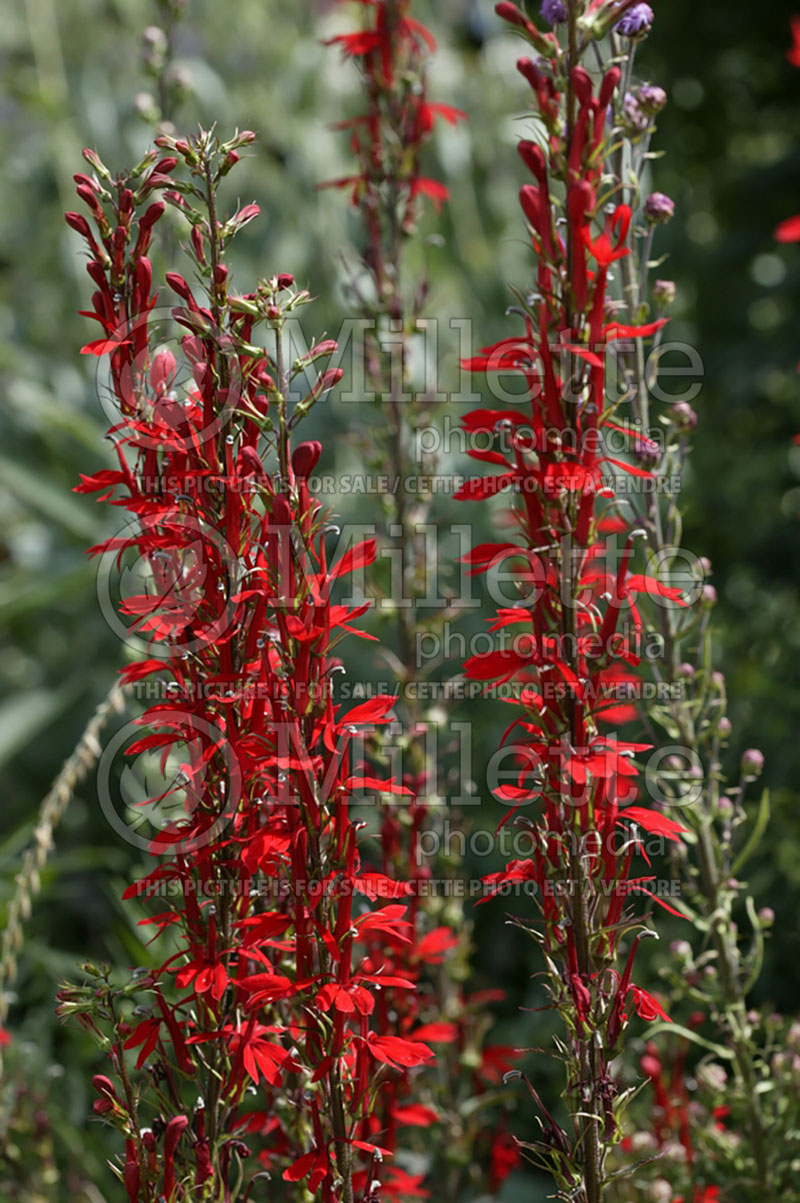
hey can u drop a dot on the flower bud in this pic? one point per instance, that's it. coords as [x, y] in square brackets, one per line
[646, 450]
[712, 1076]
[182, 80]
[634, 119]
[664, 292]
[146, 107]
[686, 671]
[305, 458]
[658, 208]
[282, 512]
[509, 12]
[651, 99]
[155, 39]
[635, 22]
[683, 416]
[78, 223]
[179, 285]
[709, 595]
[724, 727]
[554, 11]
[766, 916]
[103, 1085]
[163, 370]
[752, 762]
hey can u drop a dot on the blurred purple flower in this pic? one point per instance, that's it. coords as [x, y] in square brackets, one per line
[554, 11]
[636, 19]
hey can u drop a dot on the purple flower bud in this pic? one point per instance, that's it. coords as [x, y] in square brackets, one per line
[683, 415]
[686, 670]
[709, 595]
[725, 807]
[724, 727]
[767, 916]
[636, 20]
[651, 99]
[554, 11]
[647, 450]
[752, 762]
[634, 119]
[664, 292]
[658, 208]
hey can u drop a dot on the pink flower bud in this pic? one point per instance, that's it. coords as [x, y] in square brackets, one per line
[658, 208]
[683, 416]
[752, 762]
[664, 292]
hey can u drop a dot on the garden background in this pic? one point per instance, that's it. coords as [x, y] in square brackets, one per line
[74, 75]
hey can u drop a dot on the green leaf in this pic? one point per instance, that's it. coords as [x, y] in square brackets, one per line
[23, 718]
[21, 593]
[677, 1029]
[32, 488]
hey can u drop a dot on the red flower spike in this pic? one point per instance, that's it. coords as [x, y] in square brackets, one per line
[240, 624]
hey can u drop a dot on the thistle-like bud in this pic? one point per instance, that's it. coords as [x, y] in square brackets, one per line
[554, 11]
[664, 292]
[684, 417]
[752, 762]
[635, 22]
[651, 99]
[658, 208]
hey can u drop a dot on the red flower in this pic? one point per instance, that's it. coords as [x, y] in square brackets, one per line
[793, 54]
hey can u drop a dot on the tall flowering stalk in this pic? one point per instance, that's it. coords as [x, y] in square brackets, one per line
[570, 640]
[262, 1006]
[392, 50]
[743, 1091]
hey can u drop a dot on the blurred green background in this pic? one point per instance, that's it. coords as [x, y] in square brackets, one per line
[75, 75]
